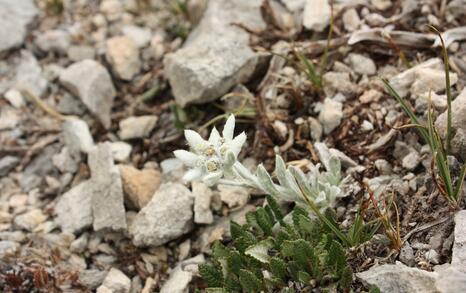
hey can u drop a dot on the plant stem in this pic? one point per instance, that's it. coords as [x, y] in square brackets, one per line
[324, 220]
[448, 89]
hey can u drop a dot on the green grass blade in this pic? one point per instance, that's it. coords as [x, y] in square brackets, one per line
[440, 155]
[459, 184]
[406, 108]
[448, 88]
[310, 69]
[326, 221]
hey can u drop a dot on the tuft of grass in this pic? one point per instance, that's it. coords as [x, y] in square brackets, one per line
[382, 212]
[440, 148]
[314, 74]
[357, 234]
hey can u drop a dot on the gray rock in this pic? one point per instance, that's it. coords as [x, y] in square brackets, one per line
[430, 79]
[7, 164]
[77, 136]
[411, 160]
[92, 278]
[30, 220]
[202, 74]
[182, 274]
[362, 64]
[29, 75]
[351, 20]
[383, 167]
[123, 56]
[233, 196]
[15, 15]
[330, 115]
[116, 282]
[432, 256]
[54, 41]
[38, 168]
[107, 192]
[338, 82]
[173, 170]
[458, 141]
[202, 197]
[451, 279]
[8, 248]
[399, 278]
[121, 151]
[216, 55]
[407, 254]
[137, 127]
[167, 216]
[70, 105]
[316, 15]
[15, 98]
[402, 82]
[91, 82]
[74, 208]
[141, 36]
[16, 236]
[459, 246]
[79, 245]
[113, 9]
[80, 53]
[65, 162]
[370, 96]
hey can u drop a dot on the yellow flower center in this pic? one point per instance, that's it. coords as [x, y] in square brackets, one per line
[209, 151]
[212, 166]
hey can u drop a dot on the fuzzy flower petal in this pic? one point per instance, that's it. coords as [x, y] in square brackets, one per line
[188, 158]
[229, 128]
[237, 143]
[212, 178]
[195, 141]
[214, 137]
[193, 174]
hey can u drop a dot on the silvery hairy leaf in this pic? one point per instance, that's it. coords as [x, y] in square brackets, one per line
[260, 251]
[285, 178]
[266, 182]
[302, 181]
[245, 175]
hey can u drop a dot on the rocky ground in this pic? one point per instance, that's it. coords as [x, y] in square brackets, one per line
[94, 96]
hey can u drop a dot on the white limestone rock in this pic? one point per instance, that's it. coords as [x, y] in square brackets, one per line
[15, 15]
[91, 82]
[168, 215]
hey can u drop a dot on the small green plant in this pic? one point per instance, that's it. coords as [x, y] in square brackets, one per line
[272, 252]
[441, 148]
[314, 74]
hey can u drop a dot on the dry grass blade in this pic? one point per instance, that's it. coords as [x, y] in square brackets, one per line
[383, 215]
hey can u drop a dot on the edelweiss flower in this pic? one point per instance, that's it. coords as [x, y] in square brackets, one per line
[209, 159]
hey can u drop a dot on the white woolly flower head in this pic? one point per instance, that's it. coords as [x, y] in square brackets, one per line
[210, 159]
